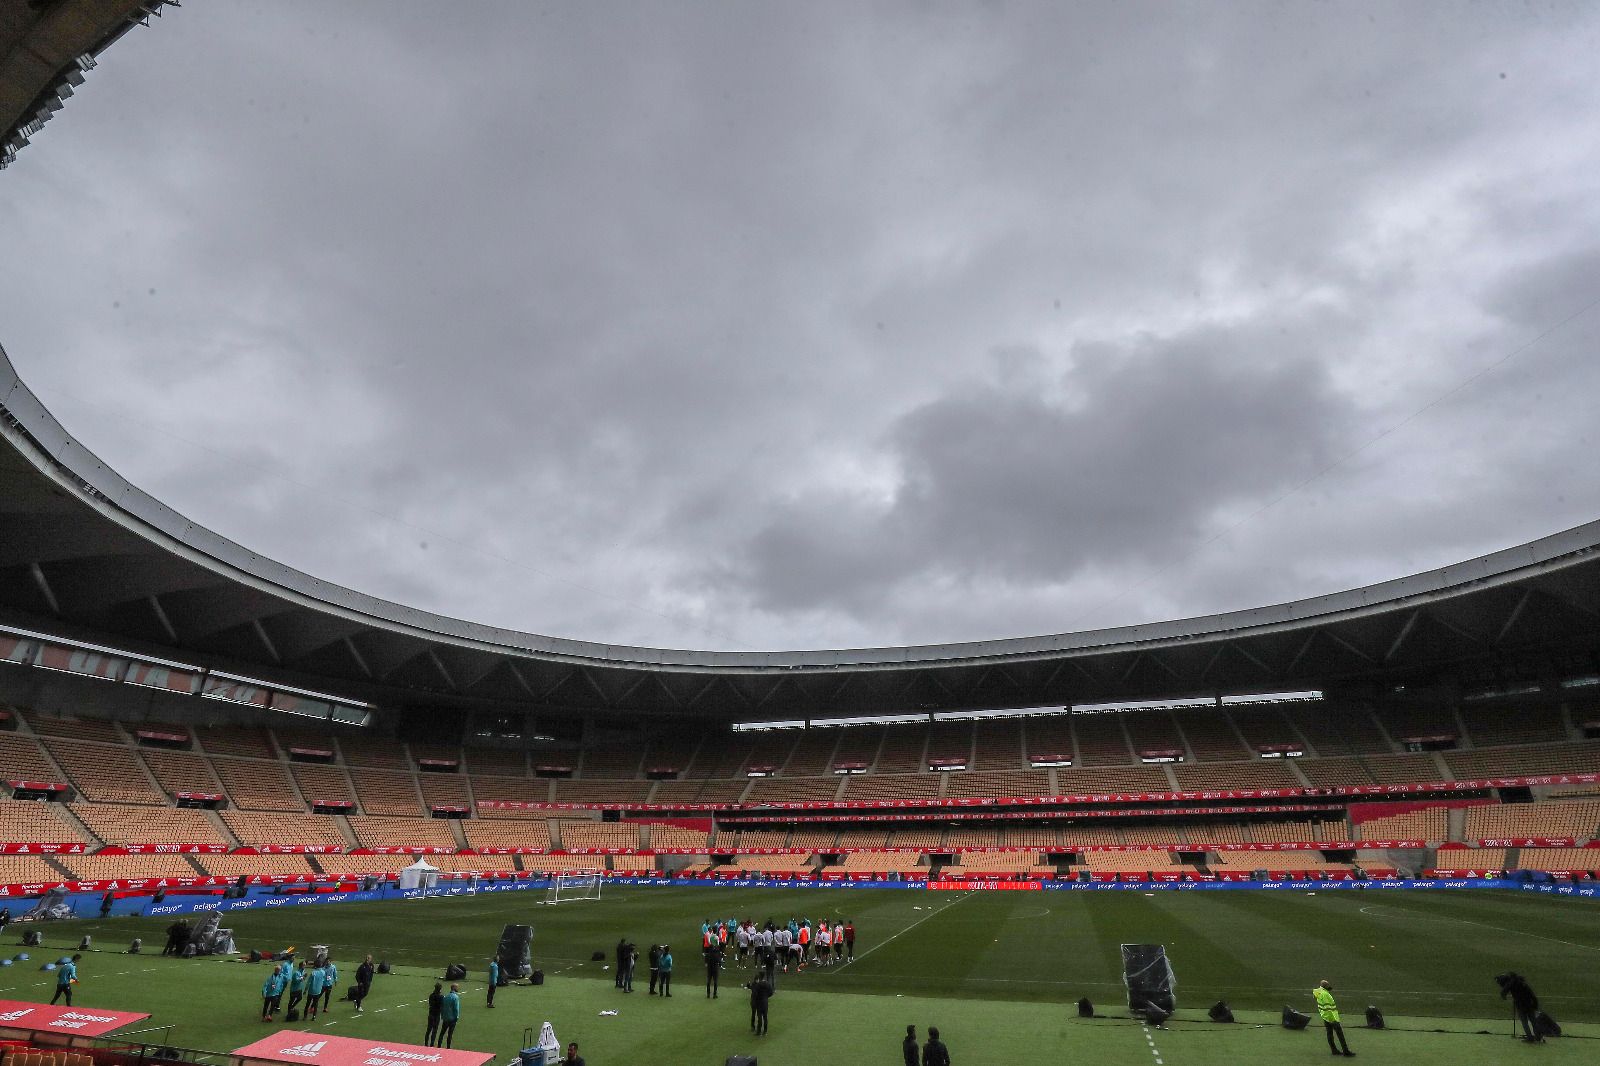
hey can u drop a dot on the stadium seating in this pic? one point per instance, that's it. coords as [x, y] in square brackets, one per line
[813, 753]
[813, 839]
[116, 824]
[1472, 859]
[1152, 731]
[903, 749]
[91, 729]
[791, 789]
[22, 759]
[672, 836]
[286, 828]
[633, 864]
[909, 838]
[181, 771]
[510, 833]
[771, 864]
[510, 790]
[1370, 770]
[1403, 722]
[25, 869]
[999, 783]
[255, 865]
[105, 773]
[1335, 729]
[761, 838]
[1101, 740]
[598, 834]
[444, 790]
[1048, 735]
[949, 740]
[258, 785]
[881, 862]
[862, 838]
[499, 761]
[359, 865]
[699, 790]
[1211, 736]
[1565, 818]
[1565, 860]
[612, 764]
[1430, 824]
[25, 823]
[402, 832]
[1028, 836]
[859, 745]
[1493, 726]
[997, 744]
[1264, 726]
[1578, 757]
[247, 741]
[322, 783]
[587, 791]
[386, 792]
[373, 753]
[1220, 776]
[892, 786]
[1141, 778]
[997, 862]
[119, 867]
[1127, 861]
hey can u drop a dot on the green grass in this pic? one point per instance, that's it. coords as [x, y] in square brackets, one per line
[997, 972]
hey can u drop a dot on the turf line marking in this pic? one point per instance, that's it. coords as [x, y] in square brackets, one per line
[1484, 925]
[913, 925]
[1152, 1042]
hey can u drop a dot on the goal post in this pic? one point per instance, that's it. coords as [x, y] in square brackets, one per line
[581, 884]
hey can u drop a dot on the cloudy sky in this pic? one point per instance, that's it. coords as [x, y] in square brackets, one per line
[767, 325]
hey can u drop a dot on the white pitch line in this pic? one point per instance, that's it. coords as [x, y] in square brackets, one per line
[913, 925]
[1152, 1042]
[1480, 925]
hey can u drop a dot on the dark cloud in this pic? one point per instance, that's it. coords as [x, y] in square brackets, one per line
[787, 325]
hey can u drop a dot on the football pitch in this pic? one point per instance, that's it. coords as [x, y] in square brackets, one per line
[997, 972]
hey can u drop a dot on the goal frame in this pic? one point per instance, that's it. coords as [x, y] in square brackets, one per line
[573, 886]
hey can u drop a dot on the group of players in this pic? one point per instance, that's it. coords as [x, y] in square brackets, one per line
[799, 942]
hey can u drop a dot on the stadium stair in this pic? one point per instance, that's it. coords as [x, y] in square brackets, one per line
[66, 812]
[56, 865]
[198, 869]
[458, 833]
[222, 828]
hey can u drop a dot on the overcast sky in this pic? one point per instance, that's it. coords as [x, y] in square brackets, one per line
[766, 325]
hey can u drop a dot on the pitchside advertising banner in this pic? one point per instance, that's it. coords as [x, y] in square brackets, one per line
[291, 1046]
[17, 1016]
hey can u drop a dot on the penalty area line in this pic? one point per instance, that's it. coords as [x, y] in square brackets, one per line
[907, 929]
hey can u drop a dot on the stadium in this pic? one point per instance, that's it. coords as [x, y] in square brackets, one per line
[1395, 787]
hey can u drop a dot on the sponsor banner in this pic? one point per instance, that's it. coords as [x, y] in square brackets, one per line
[740, 817]
[75, 1021]
[50, 848]
[290, 849]
[450, 808]
[967, 884]
[343, 805]
[1279, 886]
[291, 1045]
[1579, 891]
[38, 786]
[440, 763]
[1531, 842]
[403, 851]
[210, 797]
[506, 851]
[163, 849]
[313, 753]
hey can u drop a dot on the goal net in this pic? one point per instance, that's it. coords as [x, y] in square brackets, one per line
[564, 888]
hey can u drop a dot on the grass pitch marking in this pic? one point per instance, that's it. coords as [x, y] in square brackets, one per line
[1379, 911]
[932, 914]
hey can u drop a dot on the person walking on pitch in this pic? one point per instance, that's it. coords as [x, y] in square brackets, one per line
[449, 1014]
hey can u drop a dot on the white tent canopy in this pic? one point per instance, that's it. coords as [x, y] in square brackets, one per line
[420, 874]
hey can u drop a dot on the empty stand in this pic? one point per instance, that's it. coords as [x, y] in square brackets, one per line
[863, 838]
[1049, 735]
[1565, 818]
[1152, 731]
[598, 834]
[107, 773]
[587, 791]
[997, 744]
[949, 740]
[1370, 770]
[91, 729]
[1339, 729]
[1139, 778]
[675, 836]
[21, 759]
[1559, 860]
[250, 742]
[903, 749]
[403, 832]
[255, 784]
[994, 783]
[1262, 773]
[791, 789]
[386, 792]
[510, 790]
[180, 771]
[1211, 735]
[318, 783]
[1575, 758]
[1432, 823]
[255, 865]
[116, 824]
[445, 790]
[813, 753]
[1101, 741]
[699, 790]
[511, 833]
[374, 753]
[1418, 722]
[1265, 727]
[118, 867]
[892, 786]
[882, 862]
[1489, 725]
[500, 761]
[859, 746]
[284, 828]
[612, 763]
[23, 822]
[28, 869]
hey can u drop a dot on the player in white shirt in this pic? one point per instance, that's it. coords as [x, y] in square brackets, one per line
[742, 937]
[782, 940]
[838, 941]
[824, 944]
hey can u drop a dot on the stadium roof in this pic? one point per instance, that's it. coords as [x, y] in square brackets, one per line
[86, 554]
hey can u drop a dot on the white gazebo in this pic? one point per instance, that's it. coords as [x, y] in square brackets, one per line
[420, 874]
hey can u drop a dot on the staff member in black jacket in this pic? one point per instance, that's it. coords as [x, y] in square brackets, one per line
[909, 1048]
[435, 1005]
